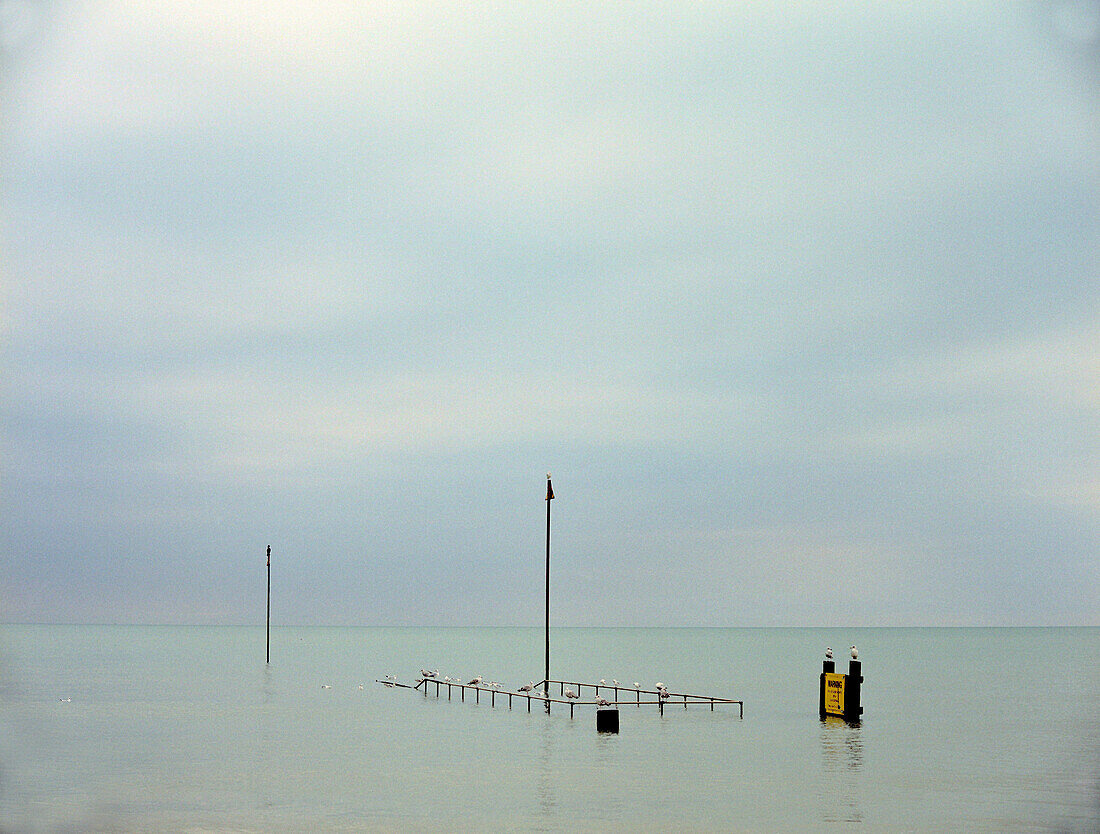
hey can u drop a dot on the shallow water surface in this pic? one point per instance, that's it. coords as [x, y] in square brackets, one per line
[127, 728]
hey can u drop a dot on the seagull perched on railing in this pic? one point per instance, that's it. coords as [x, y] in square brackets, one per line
[425, 673]
[476, 681]
[569, 693]
[603, 702]
[662, 694]
[527, 687]
[828, 653]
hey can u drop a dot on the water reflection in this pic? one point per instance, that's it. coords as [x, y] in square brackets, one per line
[268, 685]
[842, 763]
[546, 793]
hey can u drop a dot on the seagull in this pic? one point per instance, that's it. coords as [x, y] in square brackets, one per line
[603, 682]
[855, 653]
[476, 681]
[637, 685]
[360, 686]
[65, 700]
[603, 702]
[527, 687]
[424, 673]
[326, 686]
[569, 693]
[614, 682]
[828, 654]
[660, 685]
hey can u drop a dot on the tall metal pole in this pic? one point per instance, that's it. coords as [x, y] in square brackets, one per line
[546, 676]
[268, 659]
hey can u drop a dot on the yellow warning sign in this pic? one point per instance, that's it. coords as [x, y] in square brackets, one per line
[834, 693]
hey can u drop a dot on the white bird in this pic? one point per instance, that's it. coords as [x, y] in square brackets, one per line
[360, 686]
[65, 700]
[660, 685]
[603, 682]
[614, 682]
[663, 694]
[326, 686]
[475, 681]
[855, 653]
[527, 687]
[828, 654]
[569, 693]
[603, 702]
[425, 673]
[637, 685]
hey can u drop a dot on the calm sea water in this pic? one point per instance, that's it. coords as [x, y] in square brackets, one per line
[121, 728]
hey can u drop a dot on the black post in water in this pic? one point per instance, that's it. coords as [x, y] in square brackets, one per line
[546, 676]
[607, 720]
[828, 666]
[852, 707]
[268, 659]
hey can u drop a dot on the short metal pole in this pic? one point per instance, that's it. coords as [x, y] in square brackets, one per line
[267, 656]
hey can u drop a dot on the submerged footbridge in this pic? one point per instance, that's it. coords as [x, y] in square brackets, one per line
[620, 695]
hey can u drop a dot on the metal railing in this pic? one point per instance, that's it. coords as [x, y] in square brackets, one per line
[664, 698]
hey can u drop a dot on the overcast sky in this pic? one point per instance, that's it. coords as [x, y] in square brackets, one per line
[799, 306]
